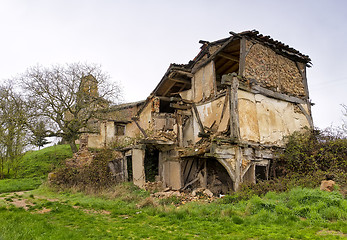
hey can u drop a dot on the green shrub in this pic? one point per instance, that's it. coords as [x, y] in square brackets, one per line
[170, 200]
[309, 157]
[312, 150]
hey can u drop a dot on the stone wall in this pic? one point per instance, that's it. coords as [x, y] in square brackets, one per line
[273, 71]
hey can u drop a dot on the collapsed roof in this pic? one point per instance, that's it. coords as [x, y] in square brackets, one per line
[226, 54]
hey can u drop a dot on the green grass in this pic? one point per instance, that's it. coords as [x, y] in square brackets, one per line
[298, 214]
[40, 163]
[22, 184]
[34, 168]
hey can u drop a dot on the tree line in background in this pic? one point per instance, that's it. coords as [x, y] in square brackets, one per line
[56, 101]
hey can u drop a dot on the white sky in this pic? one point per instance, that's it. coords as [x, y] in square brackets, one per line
[135, 41]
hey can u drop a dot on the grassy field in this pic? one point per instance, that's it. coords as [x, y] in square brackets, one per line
[21, 184]
[126, 212]
[129, 213]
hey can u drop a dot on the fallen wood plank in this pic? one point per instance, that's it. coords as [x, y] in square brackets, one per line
[141, 129]
[190, 183]
[201, 126]
[180, 106]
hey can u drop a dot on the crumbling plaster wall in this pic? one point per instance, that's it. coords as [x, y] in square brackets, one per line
[95, 141]
[131, 130]
[170, 170]
[105, 136]
[187, 94]
[262, 119]
[277, 118]
[145, 118]
[138, 157]
[204, 82]
[248, 117]
[188, 131]
[267, 120]
[210, 114]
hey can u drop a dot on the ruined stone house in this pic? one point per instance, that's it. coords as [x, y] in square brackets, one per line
[216, 121]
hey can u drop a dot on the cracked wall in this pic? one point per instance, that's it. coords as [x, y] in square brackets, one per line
[267, 120]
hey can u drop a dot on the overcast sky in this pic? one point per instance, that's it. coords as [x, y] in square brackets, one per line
[135, 41]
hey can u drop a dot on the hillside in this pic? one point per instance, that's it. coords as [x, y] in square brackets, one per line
[34, 167]
[40, 163]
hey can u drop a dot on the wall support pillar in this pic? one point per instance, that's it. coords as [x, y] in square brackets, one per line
[138, 158]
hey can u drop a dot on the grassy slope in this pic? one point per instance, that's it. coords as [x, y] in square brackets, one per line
[298, 214]
[34, 166]
[40, 163]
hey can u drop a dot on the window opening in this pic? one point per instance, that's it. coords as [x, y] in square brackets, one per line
[119, 129]
[260, 173]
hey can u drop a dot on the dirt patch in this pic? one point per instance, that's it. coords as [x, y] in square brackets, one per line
[325, 232]
[92, 211]
[15, 198]
[43, 211]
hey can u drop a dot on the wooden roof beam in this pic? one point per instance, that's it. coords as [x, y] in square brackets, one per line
[229, 57]
[180, 80]
[183, 73]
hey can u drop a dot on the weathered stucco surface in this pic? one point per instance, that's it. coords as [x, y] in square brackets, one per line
[267, 120]
[203, 82]
[248, 117]
[277, 118]
[131, 130]
[171, 170]
[187, 95]
[146, 116]
[138, 156]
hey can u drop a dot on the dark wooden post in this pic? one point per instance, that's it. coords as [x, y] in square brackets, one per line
[232, 83]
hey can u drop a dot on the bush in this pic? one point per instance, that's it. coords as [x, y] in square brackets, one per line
[309, 157]
[312, 150]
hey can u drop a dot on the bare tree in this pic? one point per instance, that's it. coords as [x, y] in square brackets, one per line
[69, 96]
[344, 124]
[13, 129]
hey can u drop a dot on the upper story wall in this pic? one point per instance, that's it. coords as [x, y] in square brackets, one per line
[267, 120]
[204, 83]
[274, 71]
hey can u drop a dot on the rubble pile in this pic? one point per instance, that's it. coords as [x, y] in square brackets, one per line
[153, 186]
[198, 194]
[81, 158]
[163, 136]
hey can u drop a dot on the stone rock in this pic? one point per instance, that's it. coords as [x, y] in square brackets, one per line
[176, 193]
[327, 185]
[52, 176]
[167, 194]
[167, 189]
[208, 193]
[154, 186]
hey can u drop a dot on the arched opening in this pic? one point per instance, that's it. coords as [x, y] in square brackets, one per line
[218, 179]
[206, 173]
